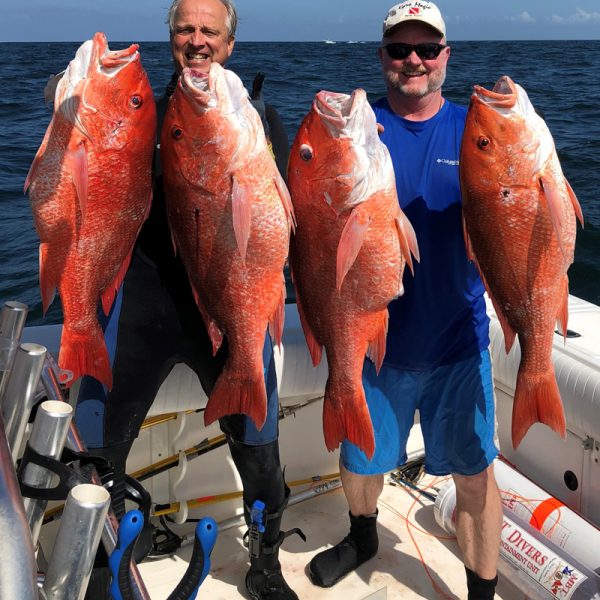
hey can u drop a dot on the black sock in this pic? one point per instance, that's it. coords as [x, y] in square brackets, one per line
[480, 589]
[361, 544]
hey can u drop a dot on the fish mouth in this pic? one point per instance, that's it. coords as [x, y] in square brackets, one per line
[341, 113]
[349, 116]
[92, 58]
[502, 96]
[218, 86]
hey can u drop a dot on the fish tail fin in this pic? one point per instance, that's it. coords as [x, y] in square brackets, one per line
[537, 400]
[232, 396]
[85, 355]
[346, 416]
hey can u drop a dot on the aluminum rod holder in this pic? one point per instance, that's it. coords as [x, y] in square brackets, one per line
[111, 526]
[20, 393]
[12, 322]
[78, 537]
[47, 438]
[18, 569]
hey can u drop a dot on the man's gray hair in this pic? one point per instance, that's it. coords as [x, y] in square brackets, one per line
[231, 22]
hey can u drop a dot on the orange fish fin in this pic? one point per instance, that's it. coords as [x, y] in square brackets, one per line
[563, 311]
[277, 319]
[214, 333]
[78, 165]
[47, 283]
[314, 347]
[241, 207]
[346, 416]
[286, 200]
[109, 294]
[36, 161]
[575, 203]
[555, 208]
[408, 240]
[85, 355]
[376, 349]
[537, 400]
[230, 396]
[468, 245]
[351, 241]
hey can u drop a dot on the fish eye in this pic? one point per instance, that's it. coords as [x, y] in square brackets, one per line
[306, 152]
[176, 132]
[483, 142]
[135, 101]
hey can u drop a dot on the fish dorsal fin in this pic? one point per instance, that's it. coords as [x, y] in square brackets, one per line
[277, 318]
[351, 240]
[315, 348]
[575, 203]
[241, 208]
[36, 161]
[408, 241]
[47, 282]
[286, 200]
[78, 167]
[376, 349]
[563, 310]
[214, 333]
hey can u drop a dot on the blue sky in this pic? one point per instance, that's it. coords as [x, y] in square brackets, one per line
[295, 20]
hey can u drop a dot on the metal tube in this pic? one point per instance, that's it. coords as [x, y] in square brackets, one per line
[76, 543]
[47, 437]
[111, 524]
[18, 570]
[20, 393]
[12, 322]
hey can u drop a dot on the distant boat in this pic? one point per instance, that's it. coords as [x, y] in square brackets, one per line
[329, 41]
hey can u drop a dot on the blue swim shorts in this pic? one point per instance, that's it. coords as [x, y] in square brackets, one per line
[456, 409]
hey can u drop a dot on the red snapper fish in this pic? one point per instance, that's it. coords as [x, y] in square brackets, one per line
[230, 216]
[90, 187]
[348, 254]
[520, 223]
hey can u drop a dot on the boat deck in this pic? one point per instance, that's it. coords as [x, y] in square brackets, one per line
[415, 554]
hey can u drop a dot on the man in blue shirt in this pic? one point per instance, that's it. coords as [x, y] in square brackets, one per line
[436, 357]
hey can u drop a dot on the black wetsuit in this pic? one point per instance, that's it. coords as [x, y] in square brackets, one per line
[154, 324]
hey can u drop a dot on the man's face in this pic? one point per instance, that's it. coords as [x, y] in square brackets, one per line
[414, 76]
[199, 35]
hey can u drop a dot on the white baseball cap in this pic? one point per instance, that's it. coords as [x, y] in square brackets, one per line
[415, 10]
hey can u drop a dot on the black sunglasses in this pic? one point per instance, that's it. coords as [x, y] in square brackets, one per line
[401, 51]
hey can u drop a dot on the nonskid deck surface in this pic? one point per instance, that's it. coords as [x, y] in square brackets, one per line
[413, 553]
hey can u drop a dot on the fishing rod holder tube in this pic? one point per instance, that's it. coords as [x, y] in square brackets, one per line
[12, 321]
[47, 438]
[77, 540]
[529, 560]
[18, 569]
[75, 443]
[20, 393]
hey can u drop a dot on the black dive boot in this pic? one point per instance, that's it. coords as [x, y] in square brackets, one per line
[264, 580]
[361, 544]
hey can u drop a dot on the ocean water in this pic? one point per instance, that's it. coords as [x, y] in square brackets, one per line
[561, 79]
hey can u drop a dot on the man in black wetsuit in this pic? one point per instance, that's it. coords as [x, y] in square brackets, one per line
[155, 324]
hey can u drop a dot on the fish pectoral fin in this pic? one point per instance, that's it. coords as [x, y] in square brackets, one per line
[408, 241]
[376, 349]
[77, 163]
[314, 347]
[47, 282]
[277, 318]
[241, 208]
[351, 240]
[468, 244]
[286, 200]
[555, 208]
[575, 203]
